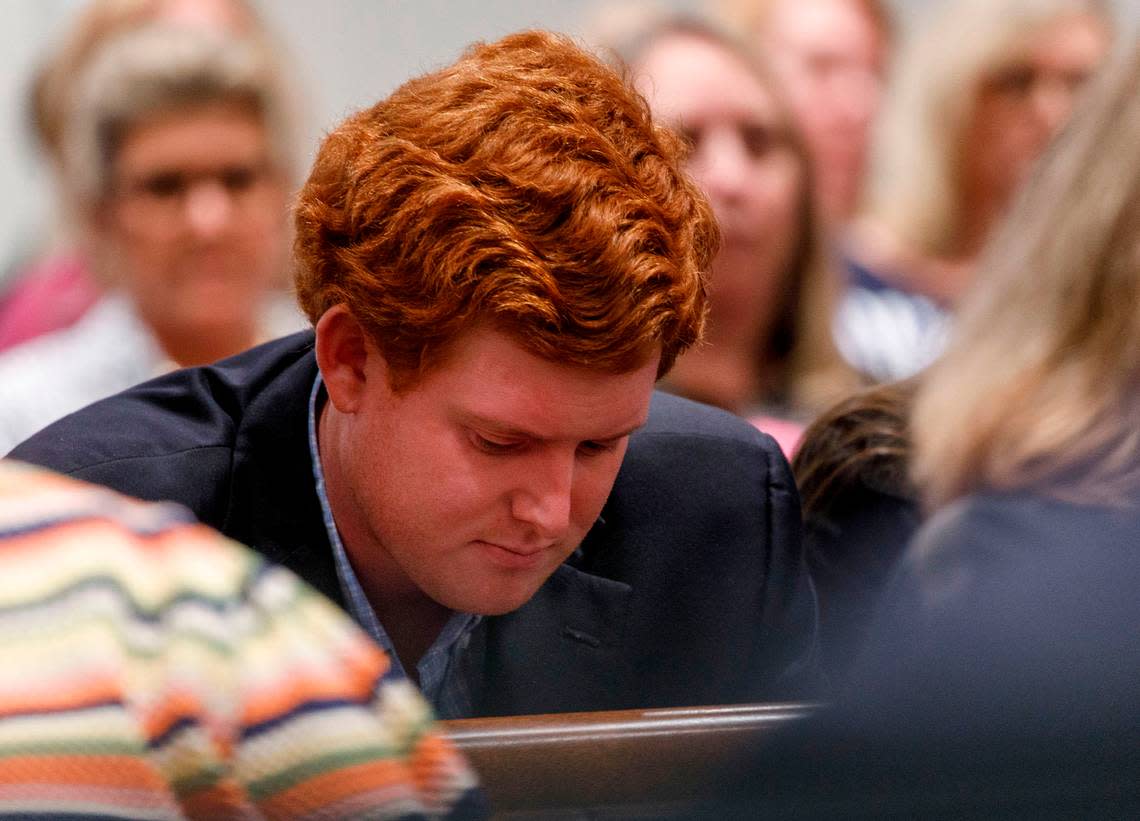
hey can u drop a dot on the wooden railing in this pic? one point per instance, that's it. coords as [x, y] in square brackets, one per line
[666, 758]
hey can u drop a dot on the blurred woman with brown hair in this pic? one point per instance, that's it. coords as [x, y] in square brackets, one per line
[860, 510]
[767, 346]
[830, 57]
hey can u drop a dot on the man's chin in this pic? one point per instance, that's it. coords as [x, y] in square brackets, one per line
[491, 603]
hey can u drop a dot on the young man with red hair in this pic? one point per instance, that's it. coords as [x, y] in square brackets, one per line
[499, 260]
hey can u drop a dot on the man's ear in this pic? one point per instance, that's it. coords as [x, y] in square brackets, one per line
[347, 357]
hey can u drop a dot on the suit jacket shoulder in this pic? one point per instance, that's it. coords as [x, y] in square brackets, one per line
[229, 441]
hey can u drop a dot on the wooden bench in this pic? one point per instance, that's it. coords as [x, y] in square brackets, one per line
[632, 759]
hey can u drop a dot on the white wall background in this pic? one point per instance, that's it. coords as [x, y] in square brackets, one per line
[347, 54]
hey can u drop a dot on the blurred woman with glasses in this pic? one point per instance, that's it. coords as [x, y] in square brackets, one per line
[177, 150]
[976, 98]
[49, 283]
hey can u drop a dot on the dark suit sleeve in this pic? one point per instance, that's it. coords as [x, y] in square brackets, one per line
[789, 669]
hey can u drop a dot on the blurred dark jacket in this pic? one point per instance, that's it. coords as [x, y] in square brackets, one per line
[1001, 678]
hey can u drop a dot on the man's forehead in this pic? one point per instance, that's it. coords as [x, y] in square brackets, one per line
[557, 410]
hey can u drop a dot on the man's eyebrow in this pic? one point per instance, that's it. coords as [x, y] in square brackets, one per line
[507, 429]
[621, 435]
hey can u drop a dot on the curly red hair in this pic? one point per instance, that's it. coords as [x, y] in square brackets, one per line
[525, 186]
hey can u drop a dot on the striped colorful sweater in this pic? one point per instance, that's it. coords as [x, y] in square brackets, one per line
[149, 668]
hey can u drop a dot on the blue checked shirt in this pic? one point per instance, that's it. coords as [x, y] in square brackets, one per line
[440, 673]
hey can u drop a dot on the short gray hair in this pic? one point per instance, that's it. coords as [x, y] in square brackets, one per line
[158, 70]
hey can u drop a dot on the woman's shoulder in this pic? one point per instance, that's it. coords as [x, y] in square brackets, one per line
[1026, 521]
[1019, 554]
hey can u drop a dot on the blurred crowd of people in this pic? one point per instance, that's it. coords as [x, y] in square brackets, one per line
[856, 170]
[926, 290]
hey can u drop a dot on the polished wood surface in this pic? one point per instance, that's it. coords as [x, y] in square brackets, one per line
[629, 758]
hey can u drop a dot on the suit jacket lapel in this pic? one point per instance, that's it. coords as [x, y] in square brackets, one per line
[562, 651]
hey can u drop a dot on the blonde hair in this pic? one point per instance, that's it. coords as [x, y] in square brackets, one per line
[913, 187]
[1040, 387]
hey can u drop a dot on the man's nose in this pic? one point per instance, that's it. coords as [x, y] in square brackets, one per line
[542, 498]
[209, 208]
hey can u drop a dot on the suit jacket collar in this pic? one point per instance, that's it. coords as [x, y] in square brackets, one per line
[273, 496]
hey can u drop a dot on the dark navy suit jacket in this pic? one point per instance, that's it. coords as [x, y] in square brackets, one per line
[689, 589]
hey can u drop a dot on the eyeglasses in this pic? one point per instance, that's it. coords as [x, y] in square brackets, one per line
[1021, 80]
[158, 201]
[759, 140]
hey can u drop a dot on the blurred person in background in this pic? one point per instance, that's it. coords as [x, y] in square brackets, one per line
[999, 676]
[180, 163]
[979, 94]
[153, 669]
[860, 511]
[767, 353]
[830, 57]
[58, 286]
[1009, 641]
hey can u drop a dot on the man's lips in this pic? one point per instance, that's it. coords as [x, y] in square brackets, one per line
[513, 556]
